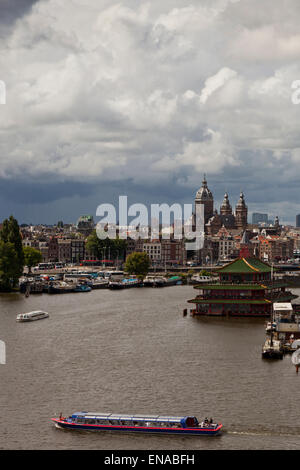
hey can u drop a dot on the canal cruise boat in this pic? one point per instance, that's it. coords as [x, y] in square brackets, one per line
[180, 425]
[32, 316]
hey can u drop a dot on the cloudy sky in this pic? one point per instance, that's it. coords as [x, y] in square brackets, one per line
[141, 98]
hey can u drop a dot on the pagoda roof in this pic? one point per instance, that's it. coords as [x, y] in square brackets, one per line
[241, 286]
[245, 265]
[230, 301]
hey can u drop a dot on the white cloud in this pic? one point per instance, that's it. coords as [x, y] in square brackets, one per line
[215, 82]
[102, 90]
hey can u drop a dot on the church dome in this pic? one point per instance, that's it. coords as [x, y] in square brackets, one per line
[241, 202]
[226, 207]
[204, 194]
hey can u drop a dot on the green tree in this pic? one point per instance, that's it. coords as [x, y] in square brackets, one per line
[31, 257]
[107, 248]
[10, 233]
[9, 266]
[138, 264]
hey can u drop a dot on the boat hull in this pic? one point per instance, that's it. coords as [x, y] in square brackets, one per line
[31, 319]
[140, 429]
[272, 355]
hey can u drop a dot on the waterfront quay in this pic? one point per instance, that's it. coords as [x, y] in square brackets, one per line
[121, 351]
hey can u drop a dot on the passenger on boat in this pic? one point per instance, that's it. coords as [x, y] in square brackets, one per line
[206, 423]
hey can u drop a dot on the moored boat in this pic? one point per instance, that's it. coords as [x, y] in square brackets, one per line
[131, 282]
[149, 281]
[99, 283]
[116, 285]
[173, 281]
[32, 316]
[180, 425]
[272, 349]
[82, 288]
[60, 287]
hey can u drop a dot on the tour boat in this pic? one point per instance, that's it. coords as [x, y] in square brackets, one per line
[32, 316]
[181, 425]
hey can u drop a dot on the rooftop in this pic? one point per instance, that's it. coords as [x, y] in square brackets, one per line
[246, 265]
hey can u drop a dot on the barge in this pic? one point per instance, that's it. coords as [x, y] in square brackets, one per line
[180, 425]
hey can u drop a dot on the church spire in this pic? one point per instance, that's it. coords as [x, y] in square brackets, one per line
[241, 213]
[226, 208]
[204, 196]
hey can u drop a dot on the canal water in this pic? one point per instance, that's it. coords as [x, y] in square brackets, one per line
[132, 351]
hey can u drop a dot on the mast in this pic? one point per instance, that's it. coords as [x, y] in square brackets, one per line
[272, 286]
[272, 309]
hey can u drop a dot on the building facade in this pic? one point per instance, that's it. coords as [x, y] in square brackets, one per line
[213, 219]
[245, 288]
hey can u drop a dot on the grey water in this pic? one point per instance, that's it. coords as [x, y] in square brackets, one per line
[132, 351]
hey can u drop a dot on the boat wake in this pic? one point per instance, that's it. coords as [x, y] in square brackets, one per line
[264, 432]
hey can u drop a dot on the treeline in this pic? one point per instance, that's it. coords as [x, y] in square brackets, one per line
[13, 257]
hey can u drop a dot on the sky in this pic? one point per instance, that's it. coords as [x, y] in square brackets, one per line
[141, 98]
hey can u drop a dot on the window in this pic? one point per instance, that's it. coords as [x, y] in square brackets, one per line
[89, 421]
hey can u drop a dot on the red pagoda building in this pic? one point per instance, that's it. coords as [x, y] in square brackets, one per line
[245, 289]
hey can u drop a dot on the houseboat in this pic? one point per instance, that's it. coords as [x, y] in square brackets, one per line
[82, 287]
[60, 287]
[155, 281]
[180, 425]
[245, 288]
[173, 281]
[197, 279]
[99, 283]
[32, 316]
[125, 283]
[116, 285]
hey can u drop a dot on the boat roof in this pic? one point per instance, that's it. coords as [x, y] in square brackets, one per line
[138, 417]
[282, 306]
[34, 311]
[245, 265]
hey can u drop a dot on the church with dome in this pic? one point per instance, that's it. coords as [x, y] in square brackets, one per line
[215, 220]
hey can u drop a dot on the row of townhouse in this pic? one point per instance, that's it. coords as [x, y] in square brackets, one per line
[59, 249]
[160, 251]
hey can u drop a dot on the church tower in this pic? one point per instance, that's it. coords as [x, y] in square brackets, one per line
[204, 196]
[241, 213]
[226, 208]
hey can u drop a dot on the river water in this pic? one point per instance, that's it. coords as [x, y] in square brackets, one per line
[132, 351]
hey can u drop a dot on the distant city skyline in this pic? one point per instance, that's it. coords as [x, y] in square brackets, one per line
[147, 103]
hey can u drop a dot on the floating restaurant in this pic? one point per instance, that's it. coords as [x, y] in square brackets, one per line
[245, 288]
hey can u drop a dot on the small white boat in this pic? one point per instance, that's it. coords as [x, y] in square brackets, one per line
[32, 316]
[272, 349]
[200, 279]
[296, 358]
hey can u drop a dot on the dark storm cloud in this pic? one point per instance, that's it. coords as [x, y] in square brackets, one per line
[10, 10]
[31, 192]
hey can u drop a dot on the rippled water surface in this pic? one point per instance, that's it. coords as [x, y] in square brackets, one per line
[132, 351]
